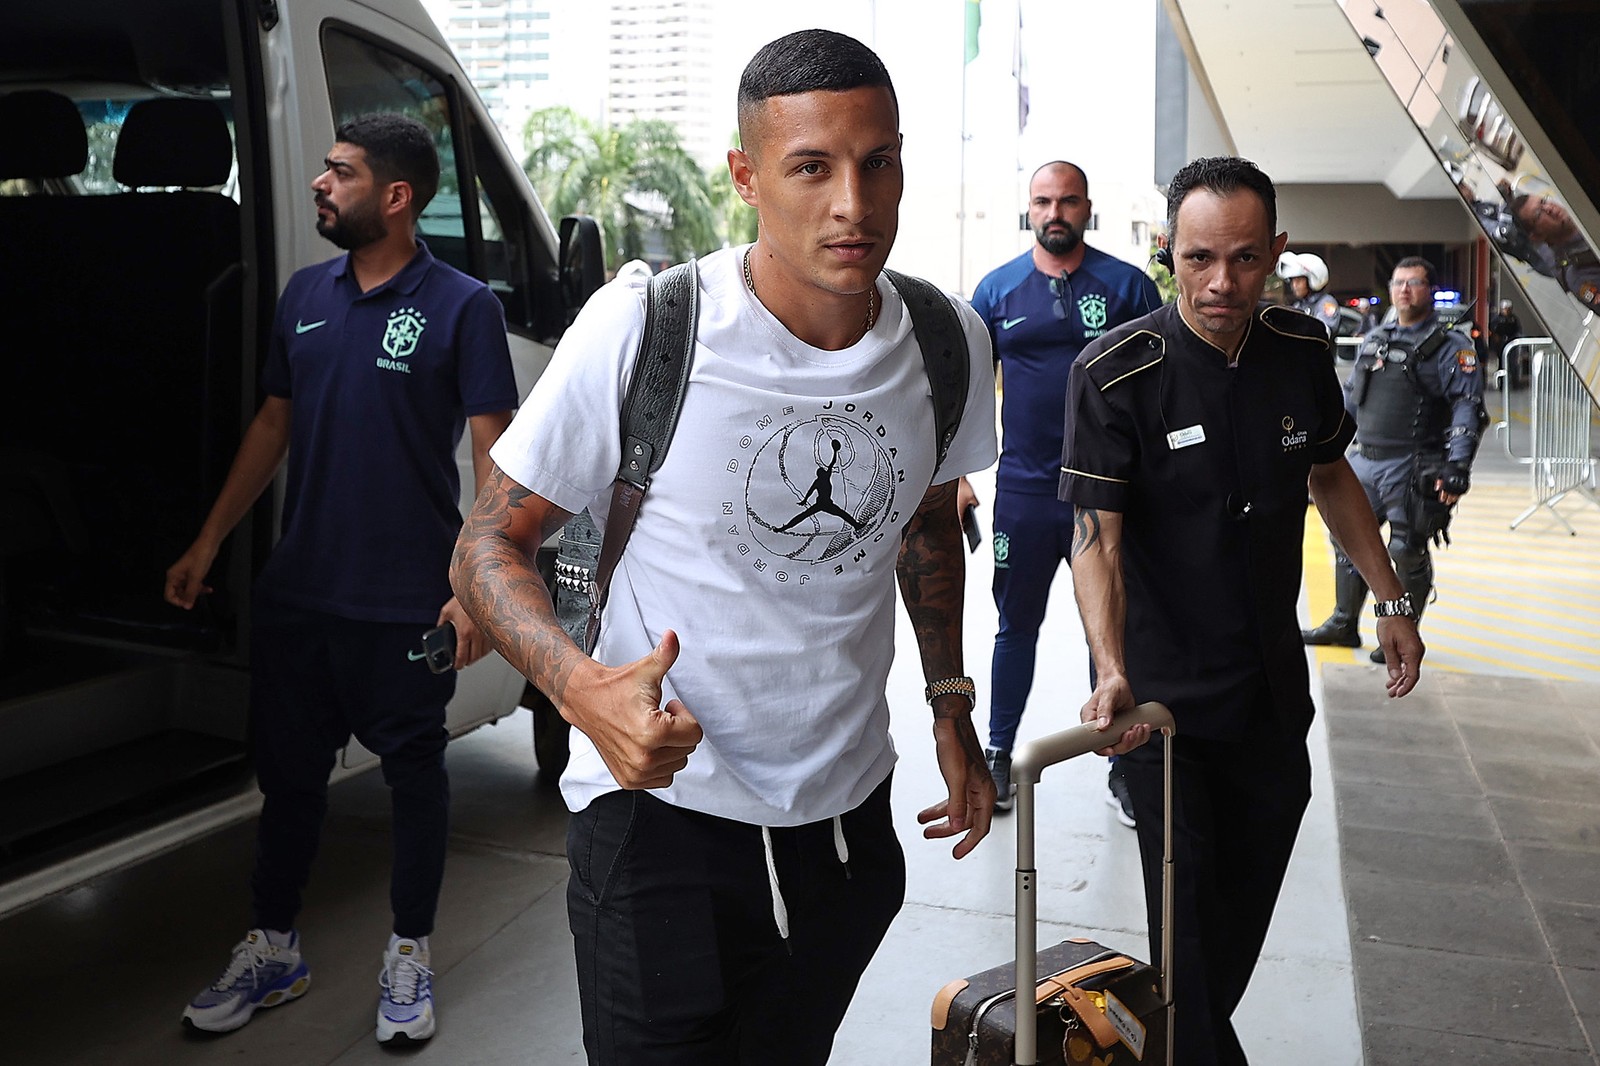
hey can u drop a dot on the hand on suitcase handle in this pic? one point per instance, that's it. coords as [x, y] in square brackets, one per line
[1031, 758]
[1111, 698]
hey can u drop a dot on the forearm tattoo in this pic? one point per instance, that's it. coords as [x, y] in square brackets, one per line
[1085, 530]
[932, 575]
[498, 584]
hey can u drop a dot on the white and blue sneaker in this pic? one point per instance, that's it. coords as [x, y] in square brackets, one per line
[405, 996]
[260, 974]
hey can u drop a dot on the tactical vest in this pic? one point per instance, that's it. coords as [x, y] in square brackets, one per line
[1393, 408]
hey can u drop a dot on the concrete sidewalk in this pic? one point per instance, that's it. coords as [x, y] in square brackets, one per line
[1470, 823]
[1466, 835]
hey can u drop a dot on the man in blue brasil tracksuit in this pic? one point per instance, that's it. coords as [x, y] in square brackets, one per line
[1041, 309]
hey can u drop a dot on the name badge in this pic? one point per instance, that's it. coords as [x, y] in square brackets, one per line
[1182, 438]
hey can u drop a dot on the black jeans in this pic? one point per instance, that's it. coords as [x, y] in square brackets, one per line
[1237, 807]
[315, 679]
[679, 956]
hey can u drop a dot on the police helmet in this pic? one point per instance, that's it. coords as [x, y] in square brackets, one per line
[1304, 265]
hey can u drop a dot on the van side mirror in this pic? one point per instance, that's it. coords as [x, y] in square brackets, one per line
[583, 263]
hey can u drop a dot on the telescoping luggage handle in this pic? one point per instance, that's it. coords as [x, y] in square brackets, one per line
[1026, 766]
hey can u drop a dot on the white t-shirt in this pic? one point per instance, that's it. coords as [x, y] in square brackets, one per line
[767, 540]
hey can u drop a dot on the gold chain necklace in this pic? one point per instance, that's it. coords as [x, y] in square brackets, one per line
[872, 297]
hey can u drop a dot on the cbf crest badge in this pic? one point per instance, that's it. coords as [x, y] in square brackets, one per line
[1092, 310]
[403, 332]
[400, 339]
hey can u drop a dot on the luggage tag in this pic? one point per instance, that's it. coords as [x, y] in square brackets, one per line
[1077, 1047]
[1127, 1024]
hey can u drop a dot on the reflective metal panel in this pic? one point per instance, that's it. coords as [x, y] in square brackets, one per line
[1489, 159]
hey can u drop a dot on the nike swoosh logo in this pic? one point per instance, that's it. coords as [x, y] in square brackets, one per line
[307, 327]
[414, 656]
[1008, 323]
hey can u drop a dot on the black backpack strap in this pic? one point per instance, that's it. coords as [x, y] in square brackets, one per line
[649, 416]
[661, 373]
[943, 341]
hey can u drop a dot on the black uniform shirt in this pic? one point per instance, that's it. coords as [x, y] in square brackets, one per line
[1208, 466]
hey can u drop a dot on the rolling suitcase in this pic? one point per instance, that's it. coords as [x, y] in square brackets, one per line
[1092, 1004]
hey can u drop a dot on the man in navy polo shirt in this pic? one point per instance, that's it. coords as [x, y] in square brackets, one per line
[1042, 308]
[383, 357]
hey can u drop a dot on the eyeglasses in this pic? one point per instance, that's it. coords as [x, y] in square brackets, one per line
[1409, 283]
[1057, 285]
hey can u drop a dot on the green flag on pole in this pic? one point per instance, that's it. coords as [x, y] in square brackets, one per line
[974, 20]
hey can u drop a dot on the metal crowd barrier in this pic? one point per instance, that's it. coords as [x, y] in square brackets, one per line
[1561, 413]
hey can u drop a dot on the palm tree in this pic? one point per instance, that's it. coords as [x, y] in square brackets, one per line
[633, 179]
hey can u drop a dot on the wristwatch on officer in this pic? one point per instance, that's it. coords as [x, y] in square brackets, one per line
[1401, 608]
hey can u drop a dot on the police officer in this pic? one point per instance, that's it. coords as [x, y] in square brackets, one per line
[1567, 255]
[1504, 327]
[1307, 276]
[1416, 393]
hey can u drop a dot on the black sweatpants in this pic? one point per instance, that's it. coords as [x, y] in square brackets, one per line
[679, 957]
[1237, 807]
[316, 679]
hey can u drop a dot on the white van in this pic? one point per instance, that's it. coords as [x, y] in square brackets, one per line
[155, 161]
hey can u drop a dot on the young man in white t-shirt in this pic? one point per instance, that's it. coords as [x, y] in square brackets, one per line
[734, 866]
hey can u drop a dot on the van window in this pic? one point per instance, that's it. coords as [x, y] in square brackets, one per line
[364, 77]
[476, 222]
[103, 120]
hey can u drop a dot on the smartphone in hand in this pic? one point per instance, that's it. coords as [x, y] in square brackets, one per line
[439, 648]
[969, 523]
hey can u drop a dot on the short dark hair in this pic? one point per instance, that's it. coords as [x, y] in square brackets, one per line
[398, 148]
[1415, 261]
[1223, 175]
[808, 61]
[1042, 167]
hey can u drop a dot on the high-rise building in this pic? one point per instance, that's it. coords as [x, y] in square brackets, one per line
[504, 47]
[660, 60]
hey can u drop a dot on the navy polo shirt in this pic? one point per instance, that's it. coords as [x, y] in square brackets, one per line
[1035, 349]
[381, 385]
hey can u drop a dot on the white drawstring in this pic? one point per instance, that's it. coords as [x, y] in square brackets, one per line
[780, 913]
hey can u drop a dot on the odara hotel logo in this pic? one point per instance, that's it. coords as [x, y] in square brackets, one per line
[1293, 439]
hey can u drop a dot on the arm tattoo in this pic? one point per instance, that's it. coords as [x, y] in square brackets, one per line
[498, 583]
[932, 575]
[1086, 530]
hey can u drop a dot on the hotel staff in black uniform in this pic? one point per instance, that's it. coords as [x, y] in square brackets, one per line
[1191, 435]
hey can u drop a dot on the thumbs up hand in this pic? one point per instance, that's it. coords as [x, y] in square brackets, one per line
[619, 709]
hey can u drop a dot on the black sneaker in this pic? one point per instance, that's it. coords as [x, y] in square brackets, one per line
[1118, 797]
[1000, 770]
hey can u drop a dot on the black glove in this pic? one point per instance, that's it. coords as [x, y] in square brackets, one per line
[1455, 478]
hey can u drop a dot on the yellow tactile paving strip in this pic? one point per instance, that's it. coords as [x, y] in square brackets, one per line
[1522, 603]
